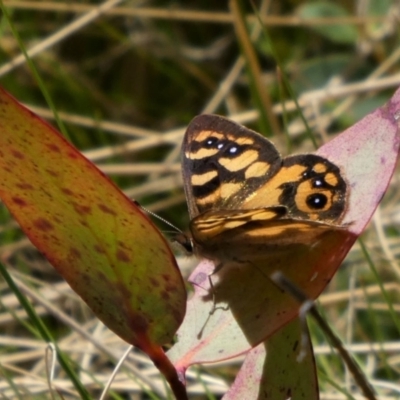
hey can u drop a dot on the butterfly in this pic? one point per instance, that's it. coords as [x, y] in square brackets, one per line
[245, 201]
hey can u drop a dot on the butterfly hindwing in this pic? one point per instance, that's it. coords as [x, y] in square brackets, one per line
[310, 186]
[250, 235]
[211, 224]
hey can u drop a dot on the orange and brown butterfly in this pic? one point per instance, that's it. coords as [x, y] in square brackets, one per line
[245, 200]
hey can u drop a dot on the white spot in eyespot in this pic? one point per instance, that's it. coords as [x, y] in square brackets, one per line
[396, 115]
[318, 182]
[220, 146]
[233, 150]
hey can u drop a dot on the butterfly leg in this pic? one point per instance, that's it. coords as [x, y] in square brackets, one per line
[214, 290]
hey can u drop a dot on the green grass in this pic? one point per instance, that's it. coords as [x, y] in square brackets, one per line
[125, 85]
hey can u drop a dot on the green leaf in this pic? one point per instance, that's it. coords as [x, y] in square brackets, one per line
[339, 33]
[98, 240]
[315, 72]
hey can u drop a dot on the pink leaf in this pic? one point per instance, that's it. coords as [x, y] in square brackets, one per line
[278, 369]
[250, 308]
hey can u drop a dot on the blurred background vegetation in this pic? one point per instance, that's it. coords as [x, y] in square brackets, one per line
[125, 78]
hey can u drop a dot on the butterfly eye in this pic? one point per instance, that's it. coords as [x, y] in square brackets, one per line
[317, 201]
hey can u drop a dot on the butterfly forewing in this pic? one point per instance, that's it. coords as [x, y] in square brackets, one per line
[223, 163]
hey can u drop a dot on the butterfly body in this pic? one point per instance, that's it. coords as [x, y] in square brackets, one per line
[246, 201]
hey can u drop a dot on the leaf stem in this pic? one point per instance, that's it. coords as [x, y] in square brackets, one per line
[164, 365]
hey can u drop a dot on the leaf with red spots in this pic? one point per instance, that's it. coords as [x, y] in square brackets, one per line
[106, 249]
[249, 306]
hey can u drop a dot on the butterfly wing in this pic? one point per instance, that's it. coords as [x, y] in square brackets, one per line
[249, 235]
[310, 186]
[223, 162]
[244, 198]
[212, 224]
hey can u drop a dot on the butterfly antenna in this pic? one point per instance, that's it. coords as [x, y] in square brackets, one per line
[181, 238]
[157, 216]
